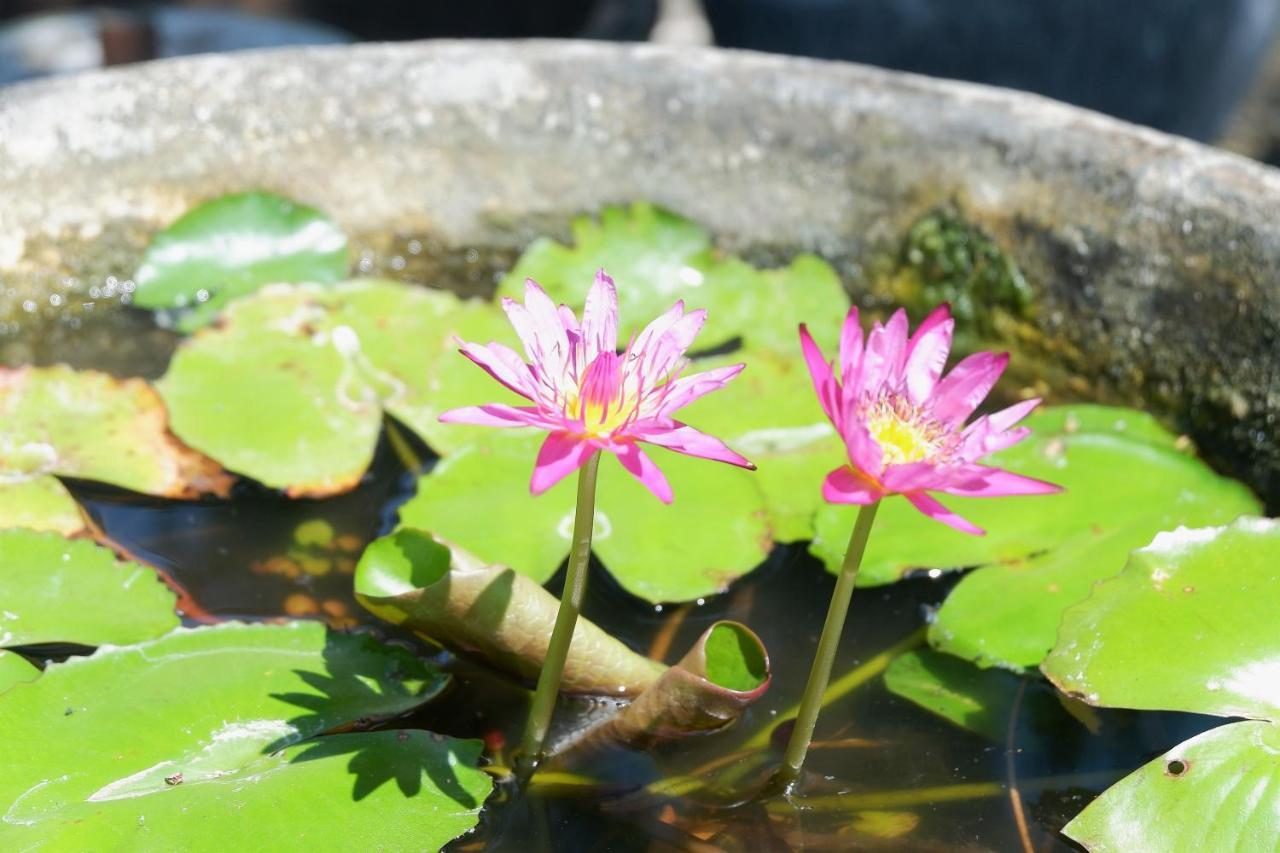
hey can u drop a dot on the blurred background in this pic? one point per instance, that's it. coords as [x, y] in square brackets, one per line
[1205, 69]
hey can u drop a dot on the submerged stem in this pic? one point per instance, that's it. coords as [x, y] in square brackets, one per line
[575, 587]
[820, 674]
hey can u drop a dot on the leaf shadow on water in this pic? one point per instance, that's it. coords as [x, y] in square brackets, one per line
[364, 684]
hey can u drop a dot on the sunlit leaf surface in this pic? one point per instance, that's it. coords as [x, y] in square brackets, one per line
[232, 245]
[1189, 625]
[1125, 480]
[55, 590]
[55, 420]
[213, 746]
[291, 387]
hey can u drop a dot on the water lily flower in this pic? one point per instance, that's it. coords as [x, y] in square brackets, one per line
[903, 421]
[588, 397]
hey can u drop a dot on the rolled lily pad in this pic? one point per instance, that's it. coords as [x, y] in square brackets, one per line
[93, 426]
[708, 689]
[655, 256]
[488, 611]
[1189, 625]
[292, 385]
[714, 532]
[189, 755]
[1125, 481]
[15, 669]
[41, 503]
[55, 590]
[233, 245]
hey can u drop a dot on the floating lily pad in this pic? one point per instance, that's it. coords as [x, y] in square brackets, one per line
[1189, 625]
[15, 669]
[41, 503]
[233, 245]
[980, 700]
[86, 424]
[291, 387]
[765, 307]
[656, 257]
[770, 414]
[55, 590]
[1125, 481]
[714, 531]
[188, 756]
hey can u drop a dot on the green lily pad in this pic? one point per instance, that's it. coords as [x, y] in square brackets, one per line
[55, 590]
[1213, 792]
[15, 669]
[770, 414]
[291, 387]
[1210, 590]
[980, 700]
[714, 531]
[233, 245]
[765, 307]
[654, 256]
[1125, 481]
[189, 756]
[41, 503]
[90, 425]
[1187, 626]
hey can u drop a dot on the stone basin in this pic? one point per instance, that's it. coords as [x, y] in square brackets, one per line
[1153, 263]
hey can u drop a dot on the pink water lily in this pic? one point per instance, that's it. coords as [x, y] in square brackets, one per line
[587, 396]
[903, 422]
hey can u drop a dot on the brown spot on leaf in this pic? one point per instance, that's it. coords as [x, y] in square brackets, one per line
[1176, 768]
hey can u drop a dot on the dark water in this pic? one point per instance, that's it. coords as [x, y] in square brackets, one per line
[884, 773]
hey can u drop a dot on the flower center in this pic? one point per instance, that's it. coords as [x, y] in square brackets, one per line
[905, 434]
[602, 403]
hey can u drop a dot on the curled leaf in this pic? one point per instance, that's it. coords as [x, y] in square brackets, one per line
[725, 672]
[491, 612]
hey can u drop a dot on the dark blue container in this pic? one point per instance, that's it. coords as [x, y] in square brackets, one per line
[1177, 65]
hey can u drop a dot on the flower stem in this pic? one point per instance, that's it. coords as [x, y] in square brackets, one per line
[820, 674]
[575, 588]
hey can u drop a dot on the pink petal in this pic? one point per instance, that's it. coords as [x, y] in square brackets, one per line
[497, 415]
[570, 321]
[540, 328]
[883, 360]
[980, 481]
[503, 364]
[927, 353]
[1006, 418]
[938, 512]
[663, 352]
[844, 486]
[683, 438]
[560, 455]
[686, 389]
[851, 348]
[820, 371]
[600, 317]
[913, 477]
[967, 385]
[640, 466]
[863, 451]
[981, 438]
